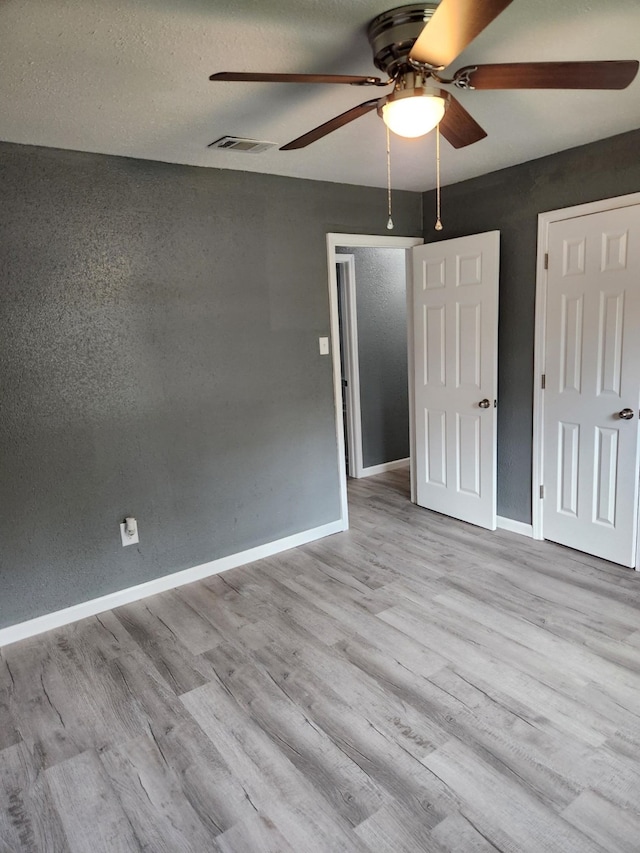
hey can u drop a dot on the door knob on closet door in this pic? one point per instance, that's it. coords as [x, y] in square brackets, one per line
[484, 404]
[626, 414]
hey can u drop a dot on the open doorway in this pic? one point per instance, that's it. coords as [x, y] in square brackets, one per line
[371, 387]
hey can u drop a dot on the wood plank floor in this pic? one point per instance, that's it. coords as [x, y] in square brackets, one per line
[415, 684]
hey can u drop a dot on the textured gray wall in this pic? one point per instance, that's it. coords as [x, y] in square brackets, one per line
[159, 357]
[510, 201]
[381, 297]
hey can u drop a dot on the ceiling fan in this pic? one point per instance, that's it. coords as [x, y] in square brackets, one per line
[413, 44]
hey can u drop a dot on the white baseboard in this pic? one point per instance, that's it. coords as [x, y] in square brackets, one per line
[515, 526]
[382, 469]
[57, 619]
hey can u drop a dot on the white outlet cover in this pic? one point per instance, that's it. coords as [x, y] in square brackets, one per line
[128, 540]
[324, 346]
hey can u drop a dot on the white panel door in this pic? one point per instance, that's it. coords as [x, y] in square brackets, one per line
[592, 367]
[455, 293]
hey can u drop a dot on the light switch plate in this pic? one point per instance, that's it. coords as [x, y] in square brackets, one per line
[129, 540]
[324, 346]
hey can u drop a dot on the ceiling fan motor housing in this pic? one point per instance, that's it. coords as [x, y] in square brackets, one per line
[393, 33]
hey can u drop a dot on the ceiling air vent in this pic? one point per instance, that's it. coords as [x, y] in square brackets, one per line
[237, 143]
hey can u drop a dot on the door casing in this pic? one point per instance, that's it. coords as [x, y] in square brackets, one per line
[349, 346]
[544, 221]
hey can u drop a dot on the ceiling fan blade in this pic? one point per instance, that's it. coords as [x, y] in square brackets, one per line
[297, 78]
[458, 127]
[331, 125]
[454, 24]
[617, 74]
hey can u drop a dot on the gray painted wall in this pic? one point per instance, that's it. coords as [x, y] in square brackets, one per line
[381, 297]
[159, 357]
[510, 200]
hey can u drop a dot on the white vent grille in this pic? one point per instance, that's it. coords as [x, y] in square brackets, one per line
[237, 143]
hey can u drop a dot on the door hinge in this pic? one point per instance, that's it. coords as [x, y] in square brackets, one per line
[543, 381]
[541, 492]
[546, 260]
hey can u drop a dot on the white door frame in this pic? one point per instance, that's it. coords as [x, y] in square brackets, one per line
[351, 362]
[366, 241]
[544, 221]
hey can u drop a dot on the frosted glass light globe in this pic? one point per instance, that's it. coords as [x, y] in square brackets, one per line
[413, 115]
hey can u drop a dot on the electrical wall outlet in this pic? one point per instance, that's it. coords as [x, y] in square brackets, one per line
[129, 532]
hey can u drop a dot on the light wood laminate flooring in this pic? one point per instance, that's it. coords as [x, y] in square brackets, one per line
[415, 684]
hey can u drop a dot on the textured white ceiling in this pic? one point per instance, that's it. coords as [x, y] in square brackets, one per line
[130, 77]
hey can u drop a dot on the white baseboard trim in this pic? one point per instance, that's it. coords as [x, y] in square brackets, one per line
[57, 619]
[514, 526]
[382, 469]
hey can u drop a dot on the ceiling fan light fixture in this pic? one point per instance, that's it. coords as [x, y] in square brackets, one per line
[413, 112]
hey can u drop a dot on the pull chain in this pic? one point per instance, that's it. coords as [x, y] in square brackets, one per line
[390, 220]
[438, 225]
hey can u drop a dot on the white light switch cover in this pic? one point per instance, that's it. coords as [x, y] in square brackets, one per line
[324, 346]
[129, 540]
